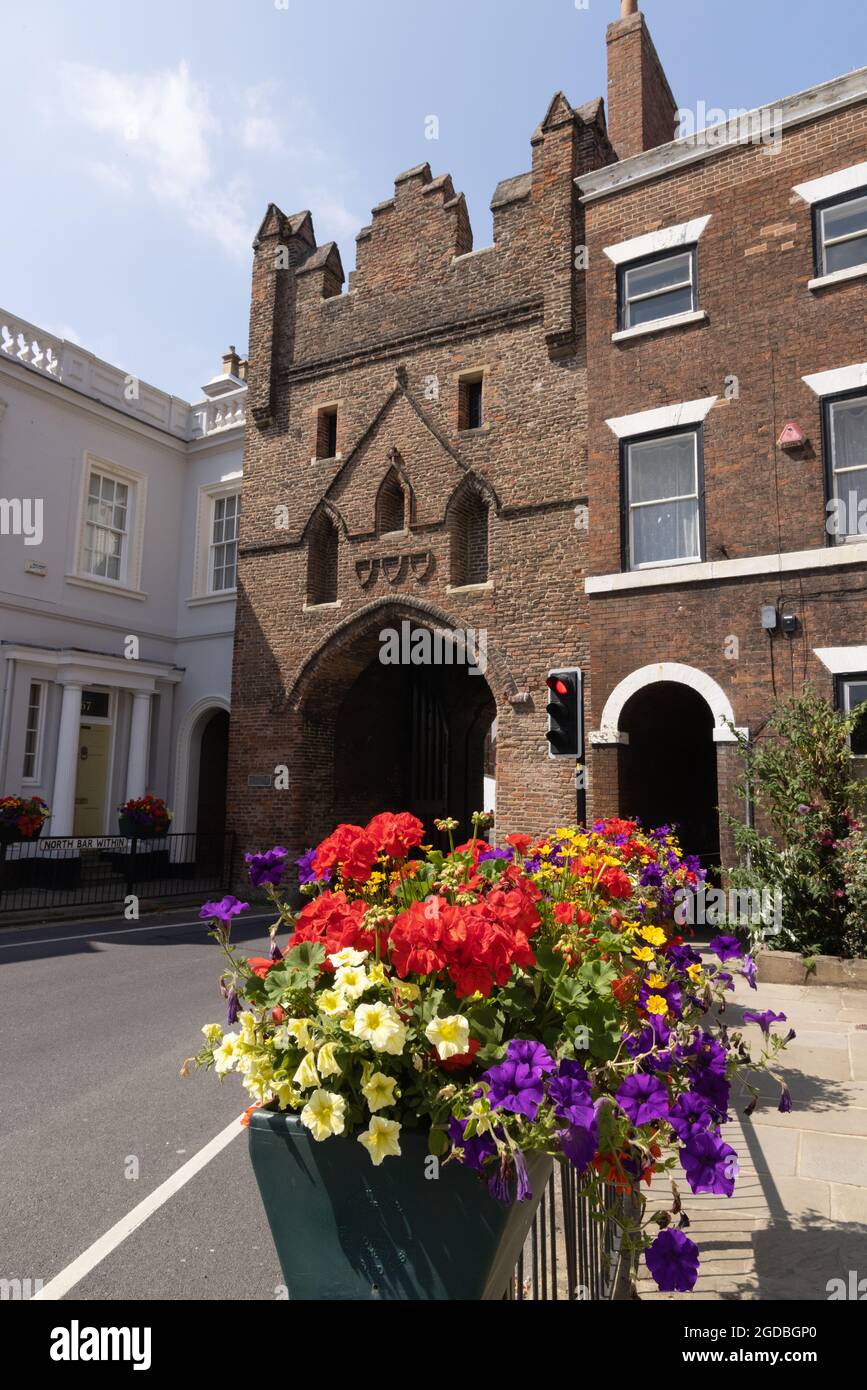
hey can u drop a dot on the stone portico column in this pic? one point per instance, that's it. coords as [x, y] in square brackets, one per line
[139, 738]
[66, 764]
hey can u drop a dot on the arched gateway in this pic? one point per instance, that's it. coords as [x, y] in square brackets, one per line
[396, 707]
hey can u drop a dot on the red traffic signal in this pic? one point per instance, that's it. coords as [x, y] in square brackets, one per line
[565, 714]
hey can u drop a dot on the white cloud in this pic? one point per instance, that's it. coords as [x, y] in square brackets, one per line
[161, 132]
[163, 124]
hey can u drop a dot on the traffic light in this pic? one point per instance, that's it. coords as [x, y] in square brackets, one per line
[565, 714]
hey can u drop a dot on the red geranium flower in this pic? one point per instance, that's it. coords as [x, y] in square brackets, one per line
[395, 835]
[351, 848]
[260, 965]
[335, 922]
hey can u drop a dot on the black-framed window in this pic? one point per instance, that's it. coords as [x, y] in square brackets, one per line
[852, 695]
[471, 408]
[840, 228]
[326, 432]
[663, 503]
[657, 288]
[845, 429]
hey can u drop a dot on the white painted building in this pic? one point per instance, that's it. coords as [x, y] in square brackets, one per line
[118, 526]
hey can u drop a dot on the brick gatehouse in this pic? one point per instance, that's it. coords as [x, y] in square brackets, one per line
[426, 447]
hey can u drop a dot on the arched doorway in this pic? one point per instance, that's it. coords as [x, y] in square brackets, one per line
[405, 734]
[670, 767]
[213, 767]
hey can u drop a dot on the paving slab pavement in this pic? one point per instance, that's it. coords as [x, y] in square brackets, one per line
[798, 1216]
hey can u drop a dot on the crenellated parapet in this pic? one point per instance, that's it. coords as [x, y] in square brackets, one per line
[416, 270]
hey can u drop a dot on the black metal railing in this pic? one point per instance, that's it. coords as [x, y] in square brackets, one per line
[573, 1252]
[87, 870]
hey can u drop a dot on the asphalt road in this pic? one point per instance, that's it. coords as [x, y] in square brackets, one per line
[95, 1021]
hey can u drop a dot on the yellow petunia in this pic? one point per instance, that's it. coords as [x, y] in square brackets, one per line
[326, 1061]
[307, 1076]
[381, 1139]
[378, 1091]
[324, 1115]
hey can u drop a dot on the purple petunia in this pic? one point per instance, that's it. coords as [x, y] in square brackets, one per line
[267, 867]
[651, 876]
[305, 868]
[710, 1164]
[476, 1149]
[579, 1141]
[517, 1082]
[785, 1104]
[232, 1007]
[644, 1098]
[224, 910]
[572, 1099]
[764, 1020]
[750, 970]
[727, 948]
[487, 854]
[690, 1114]
[673, 1262]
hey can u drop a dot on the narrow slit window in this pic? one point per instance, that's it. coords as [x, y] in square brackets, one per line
[472, 408]
[326, 433]
[33, 731]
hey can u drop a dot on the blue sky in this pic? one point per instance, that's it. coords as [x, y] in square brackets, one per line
[143, 142]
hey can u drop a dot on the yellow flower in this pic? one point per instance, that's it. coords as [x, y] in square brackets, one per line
[656, 1004]
[380, 1139]
[655, 981]
[348, 1022]
[643, 953]
[248, 1026]
[351, 981]
[226, 1055]
[378, 1090]
[299, 1029]
[380, 1025]
[377, 974]
[307, 1076]
[407, 990]
[450, 1036]
[286, 1093]
[694, 972]
[332, 1003]
[348, 956]
[327, 1062]
[212, 1032]
[655, 935]
[323, 1115]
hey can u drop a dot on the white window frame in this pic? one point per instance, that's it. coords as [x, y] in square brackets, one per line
[129, 582]
[627, 300]
[35, 778]
[824, 241]
[209, 495]
[631, 507]
[845, 683]
[836, 474]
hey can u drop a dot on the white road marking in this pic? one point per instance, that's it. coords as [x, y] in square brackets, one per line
[60, 1285]
[121, 931]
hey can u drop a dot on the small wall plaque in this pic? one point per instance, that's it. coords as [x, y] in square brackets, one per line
[260, 779]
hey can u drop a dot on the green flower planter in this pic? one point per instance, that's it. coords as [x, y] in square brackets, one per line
[347, 1230]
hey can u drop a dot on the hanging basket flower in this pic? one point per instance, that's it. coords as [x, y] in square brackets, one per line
[22, 818]
[144, 817]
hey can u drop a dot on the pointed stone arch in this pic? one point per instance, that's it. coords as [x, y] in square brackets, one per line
[395, 505]
[322, 537]
[468, 522]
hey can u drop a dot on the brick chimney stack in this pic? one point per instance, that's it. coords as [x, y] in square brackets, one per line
[641, 108]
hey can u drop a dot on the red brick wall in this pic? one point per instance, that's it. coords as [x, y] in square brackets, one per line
[641, 108]
[766, 329]
[392, 352]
